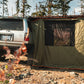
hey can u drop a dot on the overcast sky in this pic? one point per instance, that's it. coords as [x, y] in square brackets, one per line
[75, 5]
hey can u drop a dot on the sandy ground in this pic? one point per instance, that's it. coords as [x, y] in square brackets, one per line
[24, 74]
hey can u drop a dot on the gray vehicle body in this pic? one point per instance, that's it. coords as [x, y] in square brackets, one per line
[12, 31]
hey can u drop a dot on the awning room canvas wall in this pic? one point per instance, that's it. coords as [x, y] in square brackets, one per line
[58, 56]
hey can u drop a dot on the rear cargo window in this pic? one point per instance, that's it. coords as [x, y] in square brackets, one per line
[8, 24]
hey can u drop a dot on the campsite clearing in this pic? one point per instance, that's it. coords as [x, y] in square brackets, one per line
[33, 75]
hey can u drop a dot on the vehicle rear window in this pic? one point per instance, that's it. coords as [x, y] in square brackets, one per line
[11, 24]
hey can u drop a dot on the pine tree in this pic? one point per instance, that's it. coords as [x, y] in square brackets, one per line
[53, 7]
[22, 7]
[4, 6]
[17, 7]
[82, 7]
[64, 6]
[44, 9]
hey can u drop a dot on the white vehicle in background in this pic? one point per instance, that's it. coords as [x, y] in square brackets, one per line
[12, 31]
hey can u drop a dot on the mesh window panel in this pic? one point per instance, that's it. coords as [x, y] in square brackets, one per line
[59, 33]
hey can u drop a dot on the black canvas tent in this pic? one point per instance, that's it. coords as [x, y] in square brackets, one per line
[58, 40]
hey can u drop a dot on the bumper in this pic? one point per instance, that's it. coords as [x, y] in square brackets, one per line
[12, 43]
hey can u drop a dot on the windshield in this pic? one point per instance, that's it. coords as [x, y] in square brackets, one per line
[11, 24]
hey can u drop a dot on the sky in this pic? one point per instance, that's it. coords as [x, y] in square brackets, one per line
[75, 5]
